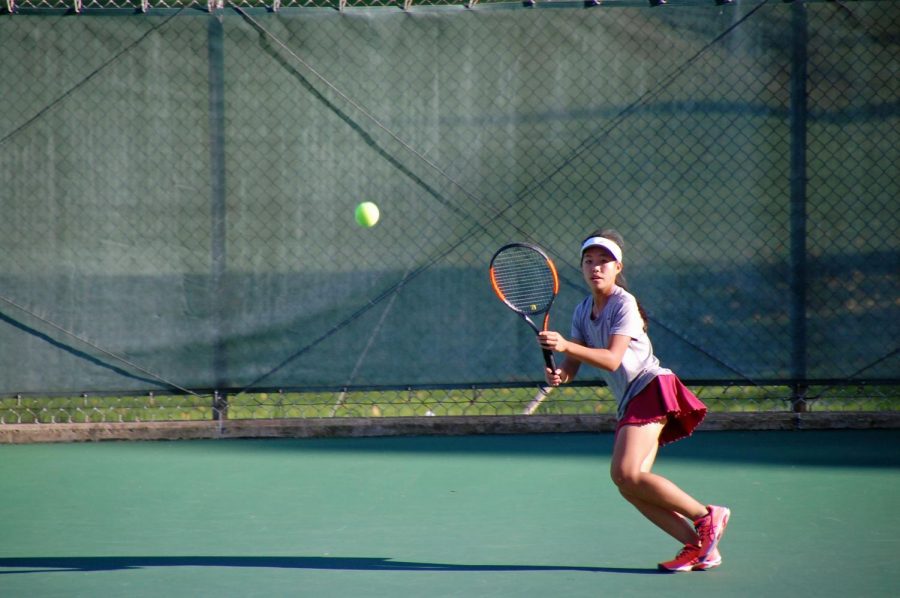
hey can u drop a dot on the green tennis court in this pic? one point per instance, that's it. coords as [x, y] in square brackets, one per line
[814, 513]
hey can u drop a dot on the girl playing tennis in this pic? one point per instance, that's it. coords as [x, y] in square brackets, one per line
[609, 332]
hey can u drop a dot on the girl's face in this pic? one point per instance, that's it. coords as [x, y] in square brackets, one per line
[599, 268]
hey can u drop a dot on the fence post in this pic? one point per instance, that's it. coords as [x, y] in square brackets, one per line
[219, 406]
[798, 275]
[218, 248]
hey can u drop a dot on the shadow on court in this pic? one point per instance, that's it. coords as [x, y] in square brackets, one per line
[812, 448]
[84, 564]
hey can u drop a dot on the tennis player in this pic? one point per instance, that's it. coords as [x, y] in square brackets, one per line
[609, 332]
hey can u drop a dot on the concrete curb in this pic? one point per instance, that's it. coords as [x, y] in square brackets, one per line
[420, 426]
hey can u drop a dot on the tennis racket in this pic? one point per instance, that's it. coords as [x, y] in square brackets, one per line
[525, 279]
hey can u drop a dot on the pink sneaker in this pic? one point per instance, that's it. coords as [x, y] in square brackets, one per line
[710, 561]
[710, 529]
[686, 560]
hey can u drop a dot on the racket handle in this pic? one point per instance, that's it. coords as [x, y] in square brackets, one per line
[548, 359]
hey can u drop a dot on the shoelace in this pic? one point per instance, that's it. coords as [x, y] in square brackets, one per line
[705, 530]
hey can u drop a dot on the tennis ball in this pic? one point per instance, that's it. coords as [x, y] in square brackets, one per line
[366, 214]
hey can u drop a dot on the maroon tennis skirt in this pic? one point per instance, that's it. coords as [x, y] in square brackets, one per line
[667, 400]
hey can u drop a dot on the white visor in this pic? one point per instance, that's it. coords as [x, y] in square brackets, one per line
[611, 246]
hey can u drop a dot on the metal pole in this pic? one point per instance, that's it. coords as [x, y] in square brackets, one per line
[218, 249]
[798, 282]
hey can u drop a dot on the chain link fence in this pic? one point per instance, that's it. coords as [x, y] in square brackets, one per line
[79, 6]
[725, 398]
[178, 191]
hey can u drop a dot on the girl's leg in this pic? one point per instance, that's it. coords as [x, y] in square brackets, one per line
[668, 521]
[658, 499]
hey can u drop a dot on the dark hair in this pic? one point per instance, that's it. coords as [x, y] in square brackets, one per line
[614, 236]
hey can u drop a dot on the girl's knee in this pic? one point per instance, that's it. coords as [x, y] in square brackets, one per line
[625, 480]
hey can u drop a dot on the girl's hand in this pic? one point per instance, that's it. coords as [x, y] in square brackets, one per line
[553, 378]
[552, 341]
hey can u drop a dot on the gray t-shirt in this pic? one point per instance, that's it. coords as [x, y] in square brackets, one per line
[620, 315]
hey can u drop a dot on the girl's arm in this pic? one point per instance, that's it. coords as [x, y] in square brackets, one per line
[608, 359]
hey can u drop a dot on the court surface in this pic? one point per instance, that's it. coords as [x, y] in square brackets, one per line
[814, 513]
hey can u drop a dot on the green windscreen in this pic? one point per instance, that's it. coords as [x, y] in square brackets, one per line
[178, 190]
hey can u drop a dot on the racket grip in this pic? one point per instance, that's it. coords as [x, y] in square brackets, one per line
[548, 359]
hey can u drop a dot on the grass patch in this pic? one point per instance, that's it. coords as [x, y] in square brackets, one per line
[570, 400]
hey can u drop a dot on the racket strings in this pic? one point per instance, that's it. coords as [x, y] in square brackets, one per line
[524, 279]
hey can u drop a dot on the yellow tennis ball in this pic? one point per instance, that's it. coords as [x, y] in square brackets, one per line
[366, 214]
